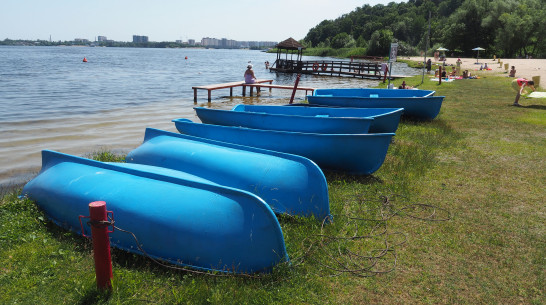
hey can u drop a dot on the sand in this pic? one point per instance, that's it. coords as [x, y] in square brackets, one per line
[526, 68]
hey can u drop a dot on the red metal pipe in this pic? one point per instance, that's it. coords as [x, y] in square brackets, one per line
[295, 88]
[439, 75]
[101, 244]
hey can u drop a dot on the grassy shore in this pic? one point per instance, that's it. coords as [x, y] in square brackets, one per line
[455, 215]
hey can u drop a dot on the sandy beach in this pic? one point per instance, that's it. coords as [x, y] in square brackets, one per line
[526, 68]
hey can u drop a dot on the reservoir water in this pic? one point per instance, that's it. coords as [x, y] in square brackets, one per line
[51, 99]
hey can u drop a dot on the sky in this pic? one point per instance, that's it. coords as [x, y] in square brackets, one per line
[169, 20]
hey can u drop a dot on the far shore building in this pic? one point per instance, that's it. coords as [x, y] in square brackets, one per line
[140, 39]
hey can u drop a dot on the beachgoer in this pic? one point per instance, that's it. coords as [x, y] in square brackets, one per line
[512, 72]
[429, 65]
[485, 67]
[519, 85]
[250, 78]
[267, 64]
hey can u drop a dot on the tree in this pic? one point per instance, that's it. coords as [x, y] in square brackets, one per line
[341, 40]
[380, 43]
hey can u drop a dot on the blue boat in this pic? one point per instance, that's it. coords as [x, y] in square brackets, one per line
[374, 92]
[352, 153]
[177, 217]
[419, 104]
[282, 122]
[384, 119]
[288, 183]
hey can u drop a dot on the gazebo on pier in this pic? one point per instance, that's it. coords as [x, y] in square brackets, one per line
[286, 64]
[289, 60]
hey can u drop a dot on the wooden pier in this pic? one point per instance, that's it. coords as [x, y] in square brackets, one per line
[330, 68]
[289, 60]
[370, 70]
[260, 83]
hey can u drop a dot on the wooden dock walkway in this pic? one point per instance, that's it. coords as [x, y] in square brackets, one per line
[371, 70]
[260, 83]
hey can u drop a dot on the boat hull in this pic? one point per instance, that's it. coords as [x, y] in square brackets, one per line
[384, 119]
[374, 92]
[288, 183]
[282, 122]
[351, 153]
[176, 219]
[425, 107]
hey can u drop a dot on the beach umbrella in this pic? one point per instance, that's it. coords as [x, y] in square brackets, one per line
[442, 49]
[478, 49]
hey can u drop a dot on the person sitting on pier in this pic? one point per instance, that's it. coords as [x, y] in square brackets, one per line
[250, 78]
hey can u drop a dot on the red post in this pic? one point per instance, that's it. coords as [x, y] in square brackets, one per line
[439, 75]
[295, 88]
[101, 244]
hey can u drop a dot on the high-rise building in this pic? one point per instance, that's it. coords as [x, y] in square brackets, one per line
[138, 38]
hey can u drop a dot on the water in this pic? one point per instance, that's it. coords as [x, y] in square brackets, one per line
[50, 99]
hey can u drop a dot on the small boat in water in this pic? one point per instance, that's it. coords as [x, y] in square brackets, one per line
[288, 183]
[351, 153]
[177, 217]
[284, 122]
[419, 104]
[384, 119]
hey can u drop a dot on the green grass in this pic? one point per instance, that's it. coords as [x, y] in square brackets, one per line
[480, 165]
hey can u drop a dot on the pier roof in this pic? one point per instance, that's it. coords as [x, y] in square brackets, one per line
[290, 44]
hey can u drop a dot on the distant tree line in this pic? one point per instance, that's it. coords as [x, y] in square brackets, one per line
[506, 28]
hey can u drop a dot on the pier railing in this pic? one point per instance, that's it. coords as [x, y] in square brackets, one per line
[329, 67]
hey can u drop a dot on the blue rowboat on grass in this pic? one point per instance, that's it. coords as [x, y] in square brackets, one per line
[384, 119]
[288, 183]
[374, 92]
[177, 217]
[419, 104]
[351, 153]
[283, 122]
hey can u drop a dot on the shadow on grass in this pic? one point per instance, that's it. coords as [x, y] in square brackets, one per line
[333, 176]
[541, 107]
[94, 296]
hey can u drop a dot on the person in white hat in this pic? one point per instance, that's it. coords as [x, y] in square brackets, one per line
[250, 78]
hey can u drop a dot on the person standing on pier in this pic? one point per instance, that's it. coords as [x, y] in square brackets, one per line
[250, 78]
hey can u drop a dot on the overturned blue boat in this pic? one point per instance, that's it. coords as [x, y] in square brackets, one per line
[419, 104]
[283, 122]
[288, 183]
[384, 119]
[352, 153]
[177, 217]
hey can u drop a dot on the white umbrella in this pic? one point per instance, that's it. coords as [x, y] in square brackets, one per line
[478, 49]
[442, 49]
